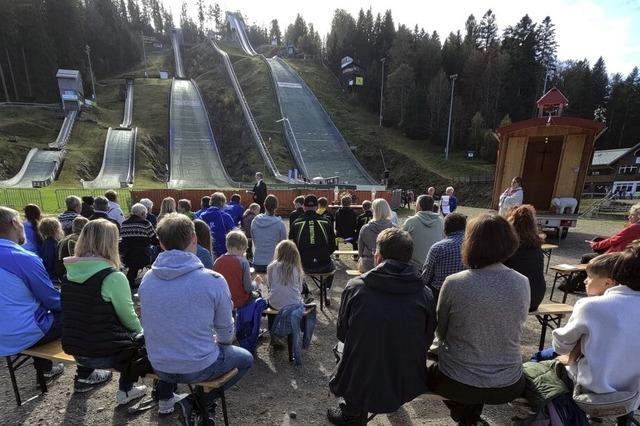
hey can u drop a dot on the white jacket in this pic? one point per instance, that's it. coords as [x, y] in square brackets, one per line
[608, 329]
[508, 201]
[115, 212]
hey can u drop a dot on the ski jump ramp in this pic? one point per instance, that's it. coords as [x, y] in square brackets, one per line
[40, 167]
[195, 160]
[316, 144]
[118, 160]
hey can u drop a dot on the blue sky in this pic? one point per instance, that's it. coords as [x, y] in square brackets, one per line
[584, 28]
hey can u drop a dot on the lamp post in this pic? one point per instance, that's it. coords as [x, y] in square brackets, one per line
[93, 82]
[381, 89]
[453, 85]
[144, 55]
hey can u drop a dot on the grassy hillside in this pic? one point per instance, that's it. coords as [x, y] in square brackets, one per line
[413, 163]
[233, 136]
[22, 129]
[255, 79]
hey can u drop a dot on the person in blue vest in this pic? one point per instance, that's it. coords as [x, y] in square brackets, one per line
[219, 222]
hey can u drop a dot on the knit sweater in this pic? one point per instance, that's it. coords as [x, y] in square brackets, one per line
[606, 327]
[481, 313]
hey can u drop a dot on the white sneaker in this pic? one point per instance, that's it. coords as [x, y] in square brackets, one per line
[137, 391]
[97, 378]
[166, 406]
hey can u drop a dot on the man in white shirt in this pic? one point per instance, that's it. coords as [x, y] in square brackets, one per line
[114, 211]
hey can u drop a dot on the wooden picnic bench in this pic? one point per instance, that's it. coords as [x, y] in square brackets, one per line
[547, 249]
[53, 351]
[271, 314]
[549, 315]
[566, 272]
[353, 272]
[320, 280]
[346, 252]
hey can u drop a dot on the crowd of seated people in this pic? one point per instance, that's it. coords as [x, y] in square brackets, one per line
[456, 290]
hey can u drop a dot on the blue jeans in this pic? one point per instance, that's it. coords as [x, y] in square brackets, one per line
[230, 357]
[87, 365]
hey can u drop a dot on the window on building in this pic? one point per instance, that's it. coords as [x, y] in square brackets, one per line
[637, 155]
[628, 170]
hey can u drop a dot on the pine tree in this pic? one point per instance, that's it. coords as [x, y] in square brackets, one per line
[274, 32]
[547, 46]
[472, 33]
[488, 31]
[200, 4]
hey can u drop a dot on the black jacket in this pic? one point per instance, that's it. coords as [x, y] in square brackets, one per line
[362, 220]
[387, 320]
[313, 235]
[346, 219]
[103, 215]
[530, 263]
[295, 215]
[260, 192]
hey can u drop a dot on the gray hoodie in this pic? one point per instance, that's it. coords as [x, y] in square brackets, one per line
[266, 232]
[367, 242]
[186, 310]
[426, 229]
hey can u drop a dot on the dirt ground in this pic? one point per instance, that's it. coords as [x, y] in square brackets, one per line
[274, 392]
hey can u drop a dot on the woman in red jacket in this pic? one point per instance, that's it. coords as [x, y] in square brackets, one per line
[619, 241]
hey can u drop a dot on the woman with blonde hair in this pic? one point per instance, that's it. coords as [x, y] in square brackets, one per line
[204, 249]
[168, 206]
[367, 239]
[51, 231]
[100, 324]
[285, 276]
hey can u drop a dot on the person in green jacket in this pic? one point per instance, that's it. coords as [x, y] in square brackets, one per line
[100, 324]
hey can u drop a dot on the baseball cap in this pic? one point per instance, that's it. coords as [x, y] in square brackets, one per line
[310, 201]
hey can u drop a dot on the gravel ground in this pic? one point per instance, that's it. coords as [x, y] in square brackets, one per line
[274, 392]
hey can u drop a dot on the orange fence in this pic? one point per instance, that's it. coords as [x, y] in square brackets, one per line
[285, 196]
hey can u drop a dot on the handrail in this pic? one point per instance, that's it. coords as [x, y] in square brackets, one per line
[257, 136]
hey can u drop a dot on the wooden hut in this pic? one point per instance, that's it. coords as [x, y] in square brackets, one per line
[551, 153]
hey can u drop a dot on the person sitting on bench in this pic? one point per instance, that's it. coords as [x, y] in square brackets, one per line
[346, 219]
[235, 268]
[187, 317]
[313, 235]
[100, 324]
[603, 331]
[285, 276]
[481, 315]
[29, 304]
[388, 307]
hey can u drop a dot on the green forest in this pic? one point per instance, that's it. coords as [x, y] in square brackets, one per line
[500, 75]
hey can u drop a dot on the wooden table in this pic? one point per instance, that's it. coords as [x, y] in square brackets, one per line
[549, 315]
[546, 250]
[567, 272]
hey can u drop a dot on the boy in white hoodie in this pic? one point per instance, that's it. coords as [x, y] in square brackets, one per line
[601, 340]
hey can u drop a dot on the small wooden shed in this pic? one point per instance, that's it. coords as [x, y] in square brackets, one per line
[551, 153]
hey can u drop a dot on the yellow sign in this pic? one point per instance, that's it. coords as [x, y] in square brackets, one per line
[359, 81]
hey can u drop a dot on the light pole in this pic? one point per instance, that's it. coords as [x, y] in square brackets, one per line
[546, 77]
[453, 85]
[381, 89]
[93, 82]
[144, 55]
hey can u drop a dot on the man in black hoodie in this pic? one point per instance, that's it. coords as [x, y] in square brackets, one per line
[387, 321]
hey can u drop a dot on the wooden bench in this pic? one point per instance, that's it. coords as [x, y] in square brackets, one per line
[320, 280]
[549, 315]
[346, 252]
[53, 351]
[566, 272]
[271, 314]
[547, 249]
[353, 272]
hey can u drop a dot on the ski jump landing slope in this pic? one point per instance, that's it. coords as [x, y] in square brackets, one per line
[195, 161]
[118, 160]
[41, 166]
[318, 147]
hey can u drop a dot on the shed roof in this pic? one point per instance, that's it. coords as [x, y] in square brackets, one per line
[606, 157]
[72, 74]
[553, 97]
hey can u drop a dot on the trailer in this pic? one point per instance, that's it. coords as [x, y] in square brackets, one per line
[551, 154]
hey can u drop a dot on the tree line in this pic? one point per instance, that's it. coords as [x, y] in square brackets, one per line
[499, 77]
[39, 36]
